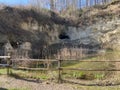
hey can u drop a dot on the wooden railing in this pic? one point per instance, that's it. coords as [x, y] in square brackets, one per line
[60, 68]
[7, 65]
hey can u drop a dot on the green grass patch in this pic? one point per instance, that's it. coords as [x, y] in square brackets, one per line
[3, 71]
[109, 55]
[30, 74]
[43, 75]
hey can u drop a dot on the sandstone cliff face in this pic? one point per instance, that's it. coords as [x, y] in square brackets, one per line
[107, 34]
[18, 25]
[103, 33]
[98, 25]
[95, 27]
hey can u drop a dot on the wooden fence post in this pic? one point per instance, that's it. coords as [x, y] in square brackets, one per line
[8, 67]
[48, 64]
[59, 72]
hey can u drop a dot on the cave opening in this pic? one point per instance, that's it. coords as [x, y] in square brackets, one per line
[14, 44]
[64, 36]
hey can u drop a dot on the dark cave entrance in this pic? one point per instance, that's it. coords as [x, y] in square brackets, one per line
[64, 36]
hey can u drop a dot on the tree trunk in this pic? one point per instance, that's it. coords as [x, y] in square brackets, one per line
[52, 5]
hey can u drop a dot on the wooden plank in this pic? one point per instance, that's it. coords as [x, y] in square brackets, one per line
[51, 60]
[8, 68]
[4, 65]
[37, 60]
[79, 69]
[4, 56]
[100, 61]
[92, 60]
[34, 69]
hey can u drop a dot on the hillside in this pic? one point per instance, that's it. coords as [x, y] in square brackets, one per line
[98, 25]
[16, 21]
[95, 27]
[70, 46]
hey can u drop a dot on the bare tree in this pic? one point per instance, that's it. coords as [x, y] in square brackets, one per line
[64, 4]
[52, 6]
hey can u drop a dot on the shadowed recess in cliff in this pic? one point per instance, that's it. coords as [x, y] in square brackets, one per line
[64, 36]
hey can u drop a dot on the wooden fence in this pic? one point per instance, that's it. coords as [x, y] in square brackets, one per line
[59, 67]
[7, 65]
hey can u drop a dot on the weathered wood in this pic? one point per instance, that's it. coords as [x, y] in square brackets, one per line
[99, 61]
[4, 57]
[38, 69]
[55, 60]
[59, 72]
[32, 69]
[92, 60]
[80, 69]
[48, 64]
[8, 67]
[36, 60]
[4, 65]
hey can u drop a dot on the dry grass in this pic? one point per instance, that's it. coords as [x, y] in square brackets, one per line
[102, 76]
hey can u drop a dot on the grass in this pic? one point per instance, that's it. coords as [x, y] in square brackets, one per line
[26, 74]
[30, 74]
[90, 75]
[85, 76]
[3, 71]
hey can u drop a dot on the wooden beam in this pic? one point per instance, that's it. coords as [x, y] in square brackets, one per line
[4, 56]
[25, 68]
[33, 69]
[4, 65]
[51, 60]
[91, 60]
[80, 69]
[100, 61]
[77, 69]
[37, 60]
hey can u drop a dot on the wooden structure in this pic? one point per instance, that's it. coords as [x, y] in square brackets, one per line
[7, 65]
[64, 54]
[59, 68]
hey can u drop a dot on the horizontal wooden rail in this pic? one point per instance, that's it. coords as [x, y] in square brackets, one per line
[4, 65]
[80, 69]
[55, 60]
[77, 69]
[4, 56]
[93, 60]
[33, 69]
[37, 60]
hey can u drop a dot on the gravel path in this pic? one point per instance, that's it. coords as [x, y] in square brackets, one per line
[12, 83]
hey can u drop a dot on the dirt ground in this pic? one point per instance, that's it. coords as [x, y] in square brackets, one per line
[9, 83]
